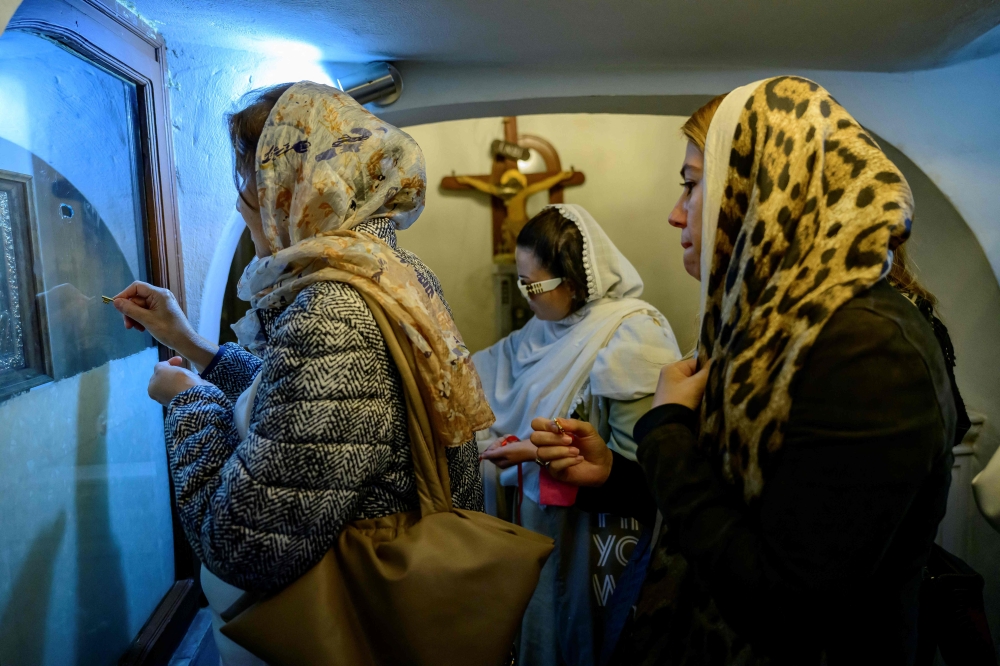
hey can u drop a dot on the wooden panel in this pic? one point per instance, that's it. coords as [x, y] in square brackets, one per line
[165, 628]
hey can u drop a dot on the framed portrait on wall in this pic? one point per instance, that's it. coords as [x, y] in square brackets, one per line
[24, 358]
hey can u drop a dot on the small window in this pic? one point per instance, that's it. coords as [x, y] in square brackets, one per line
[23, 357]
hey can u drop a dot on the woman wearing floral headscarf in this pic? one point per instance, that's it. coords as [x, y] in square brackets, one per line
[801, 496]
[273, 452]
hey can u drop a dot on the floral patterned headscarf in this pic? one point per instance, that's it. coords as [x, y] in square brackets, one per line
[324, 165]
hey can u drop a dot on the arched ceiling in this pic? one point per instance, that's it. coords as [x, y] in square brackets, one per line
[882, 35]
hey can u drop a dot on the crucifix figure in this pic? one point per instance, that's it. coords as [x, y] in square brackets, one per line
[514, 190]
[509, 189]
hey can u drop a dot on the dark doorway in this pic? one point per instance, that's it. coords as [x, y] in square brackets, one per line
[233, 308]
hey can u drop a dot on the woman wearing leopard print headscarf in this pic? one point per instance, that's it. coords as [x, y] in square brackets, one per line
[801, 495]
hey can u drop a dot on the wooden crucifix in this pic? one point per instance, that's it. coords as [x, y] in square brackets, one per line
[509, 189]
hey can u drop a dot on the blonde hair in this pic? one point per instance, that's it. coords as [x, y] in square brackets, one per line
[902, 277]
[696, 127]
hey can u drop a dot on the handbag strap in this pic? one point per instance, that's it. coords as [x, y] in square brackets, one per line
[430, 464]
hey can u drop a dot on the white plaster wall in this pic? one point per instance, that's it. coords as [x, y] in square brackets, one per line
[945, 120]
[7, 8]
[630, 163]
[205, 84]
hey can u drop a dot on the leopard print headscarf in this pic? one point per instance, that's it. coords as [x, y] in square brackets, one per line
[810, 211]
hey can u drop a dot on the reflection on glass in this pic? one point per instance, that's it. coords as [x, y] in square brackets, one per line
[82, 259]
[86, 549]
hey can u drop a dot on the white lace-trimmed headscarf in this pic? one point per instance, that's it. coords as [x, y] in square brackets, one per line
[548, 368]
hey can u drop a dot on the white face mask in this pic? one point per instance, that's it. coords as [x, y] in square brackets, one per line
[243, 286]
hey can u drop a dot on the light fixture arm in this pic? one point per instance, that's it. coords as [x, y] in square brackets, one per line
[377, 82]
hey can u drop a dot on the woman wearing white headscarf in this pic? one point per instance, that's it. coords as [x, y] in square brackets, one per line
[273, 452]
[593, 351]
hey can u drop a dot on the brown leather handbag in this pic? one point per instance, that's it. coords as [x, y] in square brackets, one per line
[440, 586]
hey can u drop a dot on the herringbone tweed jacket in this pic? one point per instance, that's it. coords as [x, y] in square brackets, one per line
[327, 441]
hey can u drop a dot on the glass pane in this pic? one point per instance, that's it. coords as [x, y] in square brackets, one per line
[86, 548]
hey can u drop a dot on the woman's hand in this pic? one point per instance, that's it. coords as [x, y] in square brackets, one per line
[508, 455]
[681, 383]
[580, 457]
[148, 308]
[170, 379]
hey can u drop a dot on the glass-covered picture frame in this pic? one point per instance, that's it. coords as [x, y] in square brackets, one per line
[24, 357]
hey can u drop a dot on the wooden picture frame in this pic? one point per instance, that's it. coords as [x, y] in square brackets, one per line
[110, 35]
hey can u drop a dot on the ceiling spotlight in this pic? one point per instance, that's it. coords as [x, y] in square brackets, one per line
[377, 82]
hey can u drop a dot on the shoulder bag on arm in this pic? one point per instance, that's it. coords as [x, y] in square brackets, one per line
[440, 586]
